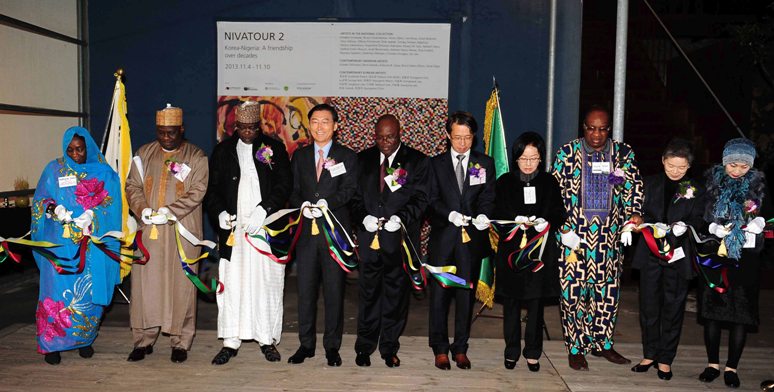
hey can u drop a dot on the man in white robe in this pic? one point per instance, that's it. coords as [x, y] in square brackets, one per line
[249, 179]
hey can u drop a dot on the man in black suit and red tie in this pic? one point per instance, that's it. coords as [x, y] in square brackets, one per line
[461, 197]
[324, 176]
[392, 190]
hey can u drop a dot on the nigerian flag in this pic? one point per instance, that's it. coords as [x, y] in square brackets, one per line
[494, 133]
[494, 142]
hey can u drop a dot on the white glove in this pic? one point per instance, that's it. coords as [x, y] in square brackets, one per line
[755, 226]
[660, 229]
[371, 223]
[224, 220]
[679, 228]
[62, 214]
[165, 211]
[481, 222]
[306, 210]
[393, 224]
[84, 221]
[161, 217]
[255, 221]
[322, 203]
[521, 220]
[457, 219]
[571, 240]
[145, 216]
[316, 212]
[718, 230]
[540, 224]
[626, 238]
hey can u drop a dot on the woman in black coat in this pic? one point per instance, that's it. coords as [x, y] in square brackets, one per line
[523, 194]
[737, 204]
[675, 200]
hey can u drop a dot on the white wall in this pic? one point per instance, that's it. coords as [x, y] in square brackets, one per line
[40, 72]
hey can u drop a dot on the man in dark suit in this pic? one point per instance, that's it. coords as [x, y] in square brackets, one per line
[392, 190]
[249, 179]
[324, 176]
[462, 192]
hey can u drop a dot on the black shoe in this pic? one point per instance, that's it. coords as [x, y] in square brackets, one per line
[363, 360]
[709, 374]
[509, 363]
[533, 367]
[666, 376]
[640, 368]
[270, 353]
[731, 379]
[391, 360]
[333, 357]
[86, 352]
[53, 358]
[139, 353]
[300, 355]
[179, 355]
[223, 356]
[767, 385]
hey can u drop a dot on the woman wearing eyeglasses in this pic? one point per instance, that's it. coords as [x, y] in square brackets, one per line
[672, 201]
[527, 253]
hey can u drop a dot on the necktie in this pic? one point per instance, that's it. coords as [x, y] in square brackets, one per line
[382, 174]
[460, 171]
[319, 163]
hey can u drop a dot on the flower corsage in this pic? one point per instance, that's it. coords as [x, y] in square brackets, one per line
[264, 155]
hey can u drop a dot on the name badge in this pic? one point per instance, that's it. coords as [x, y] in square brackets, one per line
[337, 169]
[678, 254]
[749, 240]
[600, 167]
[388, 180]
[68, 181]
[530, 196]
[476, 180]
[183, 173]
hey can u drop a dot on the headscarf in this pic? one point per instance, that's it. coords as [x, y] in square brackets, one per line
[97, 189]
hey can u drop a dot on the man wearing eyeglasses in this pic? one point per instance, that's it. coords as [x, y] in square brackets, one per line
[249, 179]
[602, 191]
[461, 197]
[392, 195]
[324, 178]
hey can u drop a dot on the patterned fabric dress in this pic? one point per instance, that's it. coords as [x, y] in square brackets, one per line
[70, 305]
[601, 191]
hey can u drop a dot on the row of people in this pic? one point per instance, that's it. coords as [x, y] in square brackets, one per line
[585, 209]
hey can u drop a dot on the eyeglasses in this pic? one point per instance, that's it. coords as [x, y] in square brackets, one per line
[462, 138]
[604, 128]
[529, 161]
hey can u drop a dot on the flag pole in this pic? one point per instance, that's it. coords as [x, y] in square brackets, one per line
[119, 74]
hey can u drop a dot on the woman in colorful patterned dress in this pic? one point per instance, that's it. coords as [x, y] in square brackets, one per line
[78, 194]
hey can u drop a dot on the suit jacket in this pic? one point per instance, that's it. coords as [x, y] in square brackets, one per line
[408, 202]
[445, 197]
[337, 191]
[689, 211]
[223, 187]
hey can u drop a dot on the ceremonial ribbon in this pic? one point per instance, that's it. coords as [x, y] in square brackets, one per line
[651, 233]
[185, 261]
[527, 247]
[341, 248]
[445, 275]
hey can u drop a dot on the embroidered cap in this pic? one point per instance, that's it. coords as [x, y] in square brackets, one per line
[739, 150]
[169, 116]
[249, 112]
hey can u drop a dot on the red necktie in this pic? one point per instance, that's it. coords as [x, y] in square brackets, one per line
[319, 164]
[382, 174]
